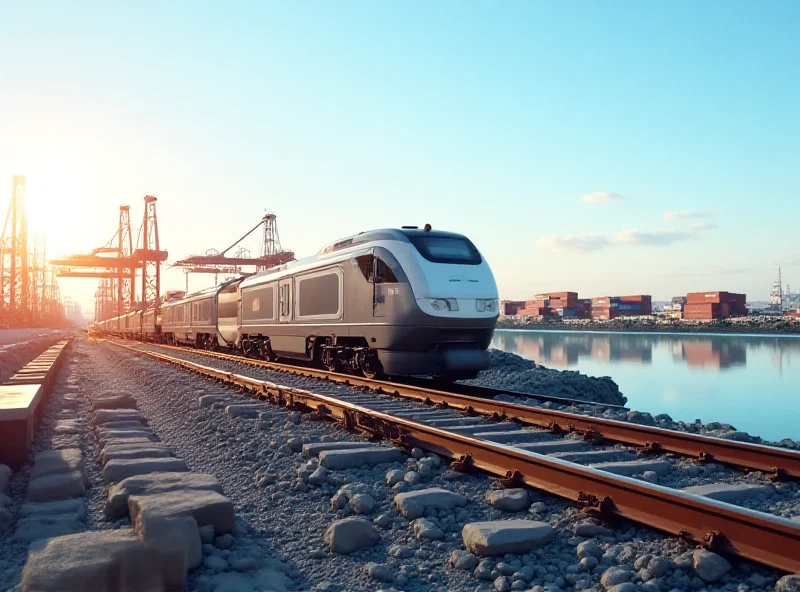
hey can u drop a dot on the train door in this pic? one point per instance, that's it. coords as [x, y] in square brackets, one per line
[384, 286]
[285, 301]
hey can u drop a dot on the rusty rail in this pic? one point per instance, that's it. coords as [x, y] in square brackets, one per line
[721, 527]
[778, 462]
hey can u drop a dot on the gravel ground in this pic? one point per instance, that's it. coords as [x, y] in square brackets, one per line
[511, 371]
[241, 457]
[258, 469]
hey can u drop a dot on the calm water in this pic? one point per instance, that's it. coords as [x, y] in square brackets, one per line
[751, 382]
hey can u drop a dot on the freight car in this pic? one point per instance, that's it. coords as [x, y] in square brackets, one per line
[396, 301]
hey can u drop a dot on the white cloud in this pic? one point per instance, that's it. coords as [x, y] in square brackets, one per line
[688, 215]
[662, 237]
[579, 242]
[600, 197]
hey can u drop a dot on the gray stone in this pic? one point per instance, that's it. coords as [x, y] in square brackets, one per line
[709, 566]
[70, 507]
[650, 476]
[624, 587]
[412, 477]
[394, 476]
[424, 529]
[400, 551]
[118, 469]
[589, 549]
[614, 576]
[349, 534]
[589, 529]
[379, 571]
[362, 503]
[413, 504]
[45, 527]
[224, 542]
[463, 560]
[790, 583]
[383, 520]
[502, 584]
[154, 483]
[634, 467]
[509, 500]
[52, 462]
[250, 410]
[359, 457]
[206, 507]
[209, 400]
[243, 563]
[102, 416]
[505, 536]
[589, 563]
[123, 453]
[658, 566]
[319, 476]
[175, 540]
[57, 487]
[100, 561]
[315, 448]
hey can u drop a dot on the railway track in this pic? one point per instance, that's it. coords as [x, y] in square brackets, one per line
[505, 447]
[779, 463]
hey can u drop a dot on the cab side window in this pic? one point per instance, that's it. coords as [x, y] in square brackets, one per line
[383, 274]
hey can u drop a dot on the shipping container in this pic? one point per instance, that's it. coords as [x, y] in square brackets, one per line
[708, 297]
[557, 296]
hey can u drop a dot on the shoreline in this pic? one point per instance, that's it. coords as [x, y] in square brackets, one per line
[777, 329]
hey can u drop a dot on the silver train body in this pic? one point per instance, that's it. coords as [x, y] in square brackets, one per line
[397, 302]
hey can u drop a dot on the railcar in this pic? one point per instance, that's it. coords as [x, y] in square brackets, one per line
[151, 324]
[193, 320]
[395, 301]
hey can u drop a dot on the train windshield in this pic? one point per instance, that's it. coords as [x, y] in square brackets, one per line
[446, 249]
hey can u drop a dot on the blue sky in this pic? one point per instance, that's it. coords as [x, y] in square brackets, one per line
[678, 123]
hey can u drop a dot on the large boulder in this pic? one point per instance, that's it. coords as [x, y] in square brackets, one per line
[413, 504]
[153, 483]
[206, 507]
[509, 500]
[103, 561]
[709, 566]
[347, 535]
[505, 536]
[175, 540]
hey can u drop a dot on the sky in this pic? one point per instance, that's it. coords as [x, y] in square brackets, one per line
[608, 148]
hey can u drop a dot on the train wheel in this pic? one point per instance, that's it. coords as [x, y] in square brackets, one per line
[372, 368]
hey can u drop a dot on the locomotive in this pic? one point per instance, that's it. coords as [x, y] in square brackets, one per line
[396, 302]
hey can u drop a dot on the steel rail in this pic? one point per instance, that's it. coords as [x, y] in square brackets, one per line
[466, 389]
[721, 527]
[778, 462]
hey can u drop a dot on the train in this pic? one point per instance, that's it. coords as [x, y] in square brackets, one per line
[390, 302]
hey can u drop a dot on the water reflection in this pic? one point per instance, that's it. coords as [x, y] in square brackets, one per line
[710, 352]
[752, 382]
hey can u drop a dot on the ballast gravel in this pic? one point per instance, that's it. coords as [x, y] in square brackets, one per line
[285, 502]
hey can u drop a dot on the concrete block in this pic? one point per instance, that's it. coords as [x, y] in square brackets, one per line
[554, 446]
[45, 527]
[117, 504]
[313, 449]
[635, 467]
[353, 459]
[102, 416]
[116, 470]
[728, 492]
[248, 410]
[52, 462]
[114, 402]
[413, 504]
[595, 456]
[505, 536]
[100, 561]
[74, 507]
[57, 487]
[511, 436]
[134, 452]
[206, 507]
[176, 542]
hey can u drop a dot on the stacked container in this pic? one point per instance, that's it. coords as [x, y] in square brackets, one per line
[707, 306]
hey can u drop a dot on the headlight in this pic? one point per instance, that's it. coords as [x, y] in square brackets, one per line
[486, 305]
[450, 304]
[439, 304]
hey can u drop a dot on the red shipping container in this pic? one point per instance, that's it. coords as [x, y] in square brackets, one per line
[708, 297]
